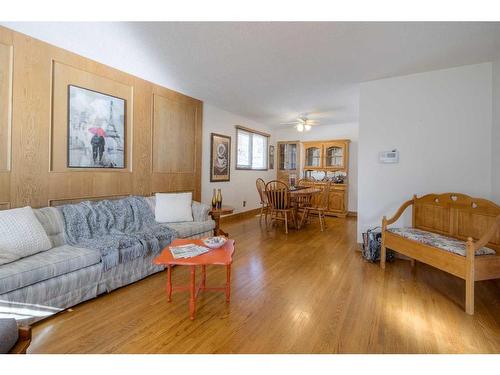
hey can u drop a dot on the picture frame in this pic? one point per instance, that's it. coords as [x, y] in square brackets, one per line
[220, 158]
[96, 129]
[271, 157]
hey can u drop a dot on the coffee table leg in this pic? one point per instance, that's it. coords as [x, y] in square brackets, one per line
[169, 283]
[192, 300]
[203, 276]
[228, 283]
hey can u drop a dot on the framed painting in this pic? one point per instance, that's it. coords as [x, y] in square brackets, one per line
[96, 129]
[271, 157]
[220, 157]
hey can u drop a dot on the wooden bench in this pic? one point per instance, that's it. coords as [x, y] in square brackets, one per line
[474, 221]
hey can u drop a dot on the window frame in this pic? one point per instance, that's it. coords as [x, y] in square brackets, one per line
[252, 132]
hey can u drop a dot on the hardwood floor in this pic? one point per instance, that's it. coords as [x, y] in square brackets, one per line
[305, 292]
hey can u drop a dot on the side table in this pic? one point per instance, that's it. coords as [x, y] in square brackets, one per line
[216, 213]
[222, 256]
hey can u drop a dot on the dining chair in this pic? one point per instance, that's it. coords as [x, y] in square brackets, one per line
[318, 208]
[264, 204]
[278, 197]
[304, 182]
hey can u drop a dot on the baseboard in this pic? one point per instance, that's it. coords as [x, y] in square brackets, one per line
[352, 214]
[240, 215]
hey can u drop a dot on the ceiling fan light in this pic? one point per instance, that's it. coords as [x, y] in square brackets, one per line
[307, 127]
[300, 127]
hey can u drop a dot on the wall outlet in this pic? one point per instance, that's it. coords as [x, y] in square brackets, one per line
[244, 203]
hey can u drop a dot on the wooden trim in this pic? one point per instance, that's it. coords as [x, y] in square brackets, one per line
[250, 169]
[7, 131]
[173, 192]
[352, 214]
[253, 131]
[59, 201]
[240, 215]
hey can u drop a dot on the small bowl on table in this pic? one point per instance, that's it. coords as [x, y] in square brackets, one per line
[214, 242]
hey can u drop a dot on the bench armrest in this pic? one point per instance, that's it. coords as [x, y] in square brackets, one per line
[483, 241]
[397, 215]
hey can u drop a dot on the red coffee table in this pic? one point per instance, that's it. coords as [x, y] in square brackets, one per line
[222, 256]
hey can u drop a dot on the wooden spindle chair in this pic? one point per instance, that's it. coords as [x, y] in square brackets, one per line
[278, 196]
[318, 208]
[304, 182]
[264, 204]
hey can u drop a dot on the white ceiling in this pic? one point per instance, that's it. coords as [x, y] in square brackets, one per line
[274, 71]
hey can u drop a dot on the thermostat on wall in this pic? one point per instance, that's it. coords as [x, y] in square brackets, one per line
[389, 157]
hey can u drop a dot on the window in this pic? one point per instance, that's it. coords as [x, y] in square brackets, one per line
[251, 148]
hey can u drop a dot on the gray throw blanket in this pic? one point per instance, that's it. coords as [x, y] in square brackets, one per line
[121, 230]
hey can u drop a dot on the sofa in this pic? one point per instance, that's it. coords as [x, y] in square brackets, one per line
[38, 286]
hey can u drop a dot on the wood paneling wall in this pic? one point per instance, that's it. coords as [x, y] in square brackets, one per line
[163, 129]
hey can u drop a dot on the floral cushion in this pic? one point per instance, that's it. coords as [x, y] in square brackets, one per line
[437, 240]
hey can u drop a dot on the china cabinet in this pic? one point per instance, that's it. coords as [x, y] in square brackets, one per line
[288, 160]
[328, 161]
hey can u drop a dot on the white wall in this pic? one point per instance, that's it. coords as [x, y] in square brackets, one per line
[242, 185]
[495, 138]
[327, 132]
[440, 122]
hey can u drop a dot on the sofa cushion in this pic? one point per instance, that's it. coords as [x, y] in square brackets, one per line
[191, 228]
[437, 240]
[46, 265]
[200, 210]
[21, 235]
[52, 222]
[8, 334]
[173, 207]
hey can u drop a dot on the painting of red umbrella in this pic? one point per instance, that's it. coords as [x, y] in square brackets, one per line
[98, 131]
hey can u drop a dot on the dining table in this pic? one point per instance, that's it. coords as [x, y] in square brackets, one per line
[301, 197]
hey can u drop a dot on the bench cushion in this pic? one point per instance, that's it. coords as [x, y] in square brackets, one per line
[43, 266]
[437, 240]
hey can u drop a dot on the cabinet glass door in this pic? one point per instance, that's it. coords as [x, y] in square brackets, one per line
[334, 157]
[313, 157]
[287, 156]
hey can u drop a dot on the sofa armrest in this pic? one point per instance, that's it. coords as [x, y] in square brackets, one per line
[200, 211]
[23, 341]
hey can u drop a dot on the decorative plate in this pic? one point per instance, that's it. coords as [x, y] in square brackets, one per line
[214, 242]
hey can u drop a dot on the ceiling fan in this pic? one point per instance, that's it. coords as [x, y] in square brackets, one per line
[302, 123]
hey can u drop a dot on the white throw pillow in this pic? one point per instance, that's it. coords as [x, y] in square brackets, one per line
[21, 235]
[173, 207]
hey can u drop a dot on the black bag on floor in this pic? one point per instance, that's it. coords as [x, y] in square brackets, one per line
[372, 241]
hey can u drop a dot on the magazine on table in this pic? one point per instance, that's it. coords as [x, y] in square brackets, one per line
[188, 251]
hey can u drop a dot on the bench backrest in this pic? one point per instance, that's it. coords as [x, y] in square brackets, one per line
[456, 215]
